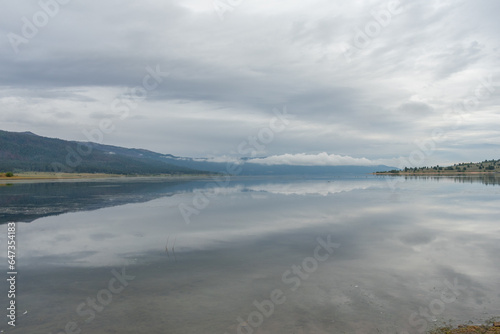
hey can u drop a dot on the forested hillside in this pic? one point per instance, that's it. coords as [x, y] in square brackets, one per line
[26, 151]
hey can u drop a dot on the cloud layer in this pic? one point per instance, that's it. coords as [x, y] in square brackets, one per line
[367, 80]
[320, 159]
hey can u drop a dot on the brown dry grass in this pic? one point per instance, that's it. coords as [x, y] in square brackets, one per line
[485, 329]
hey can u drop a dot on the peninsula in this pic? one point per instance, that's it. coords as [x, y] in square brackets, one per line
[484, 167]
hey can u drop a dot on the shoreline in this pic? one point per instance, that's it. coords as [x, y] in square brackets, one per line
[491, 327]
[42, 176]
[436, 173]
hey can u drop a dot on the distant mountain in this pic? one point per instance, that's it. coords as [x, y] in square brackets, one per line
[250, 168]
[25, 151]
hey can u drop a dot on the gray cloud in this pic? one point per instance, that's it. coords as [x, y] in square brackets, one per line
[225, 77]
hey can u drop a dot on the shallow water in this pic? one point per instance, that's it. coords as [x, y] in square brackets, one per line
[253, 257]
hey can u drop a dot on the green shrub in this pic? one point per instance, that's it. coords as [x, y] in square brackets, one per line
[9, 174]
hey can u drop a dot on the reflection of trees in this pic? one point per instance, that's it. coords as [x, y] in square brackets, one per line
[487, 179]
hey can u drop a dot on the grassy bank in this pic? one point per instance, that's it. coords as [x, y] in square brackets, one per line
[78, 176]
[44, 176]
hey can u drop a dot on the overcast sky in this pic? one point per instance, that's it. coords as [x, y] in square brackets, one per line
[361, 81]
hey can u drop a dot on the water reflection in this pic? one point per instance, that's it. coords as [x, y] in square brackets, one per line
[315, 187]
[26, 202]
[399, 252]
[487, 179]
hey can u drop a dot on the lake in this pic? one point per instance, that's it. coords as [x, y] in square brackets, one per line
[342, 254]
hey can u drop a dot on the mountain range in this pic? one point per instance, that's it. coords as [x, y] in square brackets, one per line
[26, 151]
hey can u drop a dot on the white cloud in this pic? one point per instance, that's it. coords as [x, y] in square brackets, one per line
[320, 159]
[221, 159]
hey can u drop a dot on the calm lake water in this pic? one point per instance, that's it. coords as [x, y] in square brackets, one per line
[359, 254]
